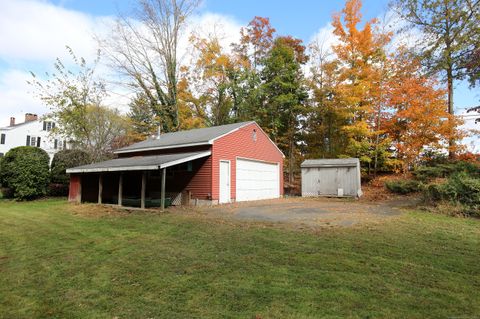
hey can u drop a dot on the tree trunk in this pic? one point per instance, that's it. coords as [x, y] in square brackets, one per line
[290, 162]
[451, 141]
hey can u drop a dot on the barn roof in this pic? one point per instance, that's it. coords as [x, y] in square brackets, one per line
[331, 162]
[135, 163]
[201, 136]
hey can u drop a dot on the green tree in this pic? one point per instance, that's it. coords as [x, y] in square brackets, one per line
[285, 97]
[75, 98]
[142, 118]
[324, 121]
[25, 171]
[67, 159]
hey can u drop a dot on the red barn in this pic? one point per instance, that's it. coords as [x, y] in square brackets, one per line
[221, 164]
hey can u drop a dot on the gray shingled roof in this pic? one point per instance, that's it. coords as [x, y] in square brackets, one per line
[331, 162]
[200, 136]
[134, 163]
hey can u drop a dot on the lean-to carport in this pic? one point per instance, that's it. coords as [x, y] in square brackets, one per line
[123, 166]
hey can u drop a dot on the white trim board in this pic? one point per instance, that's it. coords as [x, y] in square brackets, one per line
[161, 147]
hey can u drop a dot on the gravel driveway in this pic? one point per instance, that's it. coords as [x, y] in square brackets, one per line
[310, 211]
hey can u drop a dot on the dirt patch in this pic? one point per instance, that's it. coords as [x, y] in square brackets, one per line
[94, 210]
[309, 212]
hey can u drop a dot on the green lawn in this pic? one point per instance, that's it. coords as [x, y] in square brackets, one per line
[54, 263]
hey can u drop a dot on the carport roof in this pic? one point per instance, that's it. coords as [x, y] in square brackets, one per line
[139, 163]
[331, 162]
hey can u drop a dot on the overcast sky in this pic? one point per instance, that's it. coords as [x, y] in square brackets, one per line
[34, 32]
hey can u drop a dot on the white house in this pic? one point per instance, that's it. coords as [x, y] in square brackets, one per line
[32, 132]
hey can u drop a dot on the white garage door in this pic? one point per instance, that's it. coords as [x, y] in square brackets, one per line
[257, 180]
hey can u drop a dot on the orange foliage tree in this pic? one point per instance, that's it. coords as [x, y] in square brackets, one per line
[360, 60]
[205, 86]
[419, 119]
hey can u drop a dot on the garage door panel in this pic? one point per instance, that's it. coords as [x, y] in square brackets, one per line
[257, 180]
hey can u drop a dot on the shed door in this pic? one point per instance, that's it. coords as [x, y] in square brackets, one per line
[257, 180]
[327, 181]
[347, 179]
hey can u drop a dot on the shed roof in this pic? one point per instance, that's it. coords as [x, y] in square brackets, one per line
[331, 162]
[135, 163]
[201, 136]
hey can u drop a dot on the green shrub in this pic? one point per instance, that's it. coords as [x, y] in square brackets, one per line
[459, 189]
[61, 161]
[25, 172]
[427, 173]
[67, 159]
[403, 186]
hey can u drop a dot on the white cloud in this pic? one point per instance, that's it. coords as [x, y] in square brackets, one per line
[15, 98]
[226, 28]
[325, 37]
[39, 31]
[472, 142]
[35, 32]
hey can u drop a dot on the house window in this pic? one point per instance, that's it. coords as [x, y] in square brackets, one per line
[33, 141]
[2, 139]
[48, 126]
[59, 144]
[254, 135]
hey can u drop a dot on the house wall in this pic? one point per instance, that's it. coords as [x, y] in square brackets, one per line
[17, 136]
[200, 184]
[241, 144]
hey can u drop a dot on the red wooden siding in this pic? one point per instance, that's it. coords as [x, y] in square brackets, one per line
[201, 183]
[75, 187]
[241, 144]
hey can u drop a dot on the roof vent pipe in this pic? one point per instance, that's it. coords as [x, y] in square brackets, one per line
[159, 132]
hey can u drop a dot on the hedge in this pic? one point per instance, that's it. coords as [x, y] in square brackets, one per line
[24, 171]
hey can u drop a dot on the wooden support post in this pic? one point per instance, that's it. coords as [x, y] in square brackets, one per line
[144, 186]
[162, 199]
[100, 188]
[120, 189]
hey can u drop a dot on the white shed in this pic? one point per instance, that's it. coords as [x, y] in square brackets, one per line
[331, 177]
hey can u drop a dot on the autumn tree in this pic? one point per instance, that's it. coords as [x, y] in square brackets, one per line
[209, 80]
[449, 33]
[420, 120]
[255, 41]
[145, 52]
[360, 57]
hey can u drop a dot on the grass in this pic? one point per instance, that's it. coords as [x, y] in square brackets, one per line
[57, 264]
